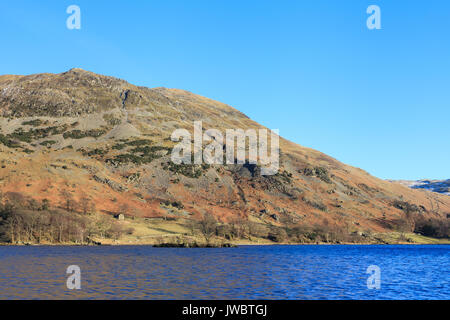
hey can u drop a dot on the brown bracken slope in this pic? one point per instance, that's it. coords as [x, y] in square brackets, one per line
[101, 137]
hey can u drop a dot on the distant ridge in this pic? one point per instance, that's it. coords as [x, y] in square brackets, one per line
[439, 186]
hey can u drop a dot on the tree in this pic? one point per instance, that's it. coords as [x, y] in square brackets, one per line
[239, 227]
[45, 205]
[277, 235]
[208, 226]
[116, 231]
[69, 202]
[86, 205]
[16, 199]
[33, 204]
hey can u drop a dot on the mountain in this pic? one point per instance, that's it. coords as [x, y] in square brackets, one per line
[439, 186]
[80, 138]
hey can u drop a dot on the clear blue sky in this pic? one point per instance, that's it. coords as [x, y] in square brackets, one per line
[375, 99]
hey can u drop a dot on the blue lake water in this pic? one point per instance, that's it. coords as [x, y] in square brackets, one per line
[247, 272]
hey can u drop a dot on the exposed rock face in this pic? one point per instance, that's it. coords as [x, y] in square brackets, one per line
[109, 139]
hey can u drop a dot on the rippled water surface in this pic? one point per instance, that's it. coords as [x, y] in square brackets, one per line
[247, 272]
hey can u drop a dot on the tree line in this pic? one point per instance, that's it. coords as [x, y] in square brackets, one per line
[24, 220]
[241, 228]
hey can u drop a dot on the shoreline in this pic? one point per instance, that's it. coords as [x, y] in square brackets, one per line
[234, 245]
[195, 242]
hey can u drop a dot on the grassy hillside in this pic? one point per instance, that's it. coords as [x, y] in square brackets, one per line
[79, 140]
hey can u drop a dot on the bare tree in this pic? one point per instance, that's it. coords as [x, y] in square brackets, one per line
[33, 204]
[208, 226]
[45, 205]
[16, 199]
[86, 205]
[240, 227]
[69, 202]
